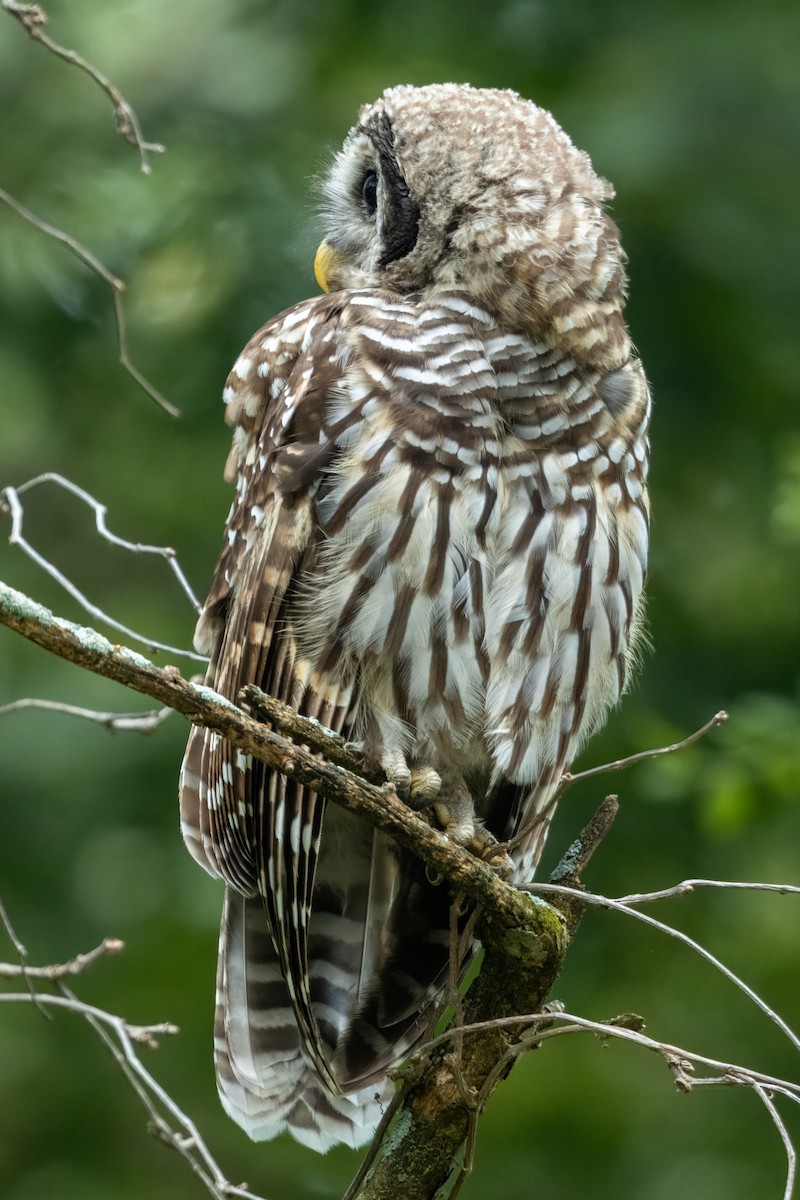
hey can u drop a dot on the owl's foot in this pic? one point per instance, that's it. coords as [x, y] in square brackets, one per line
[416, 785]
[450, 801]
[454, 809]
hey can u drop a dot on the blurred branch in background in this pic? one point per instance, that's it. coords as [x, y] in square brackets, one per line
[117, 288]
[33, 19]
[449, 1081]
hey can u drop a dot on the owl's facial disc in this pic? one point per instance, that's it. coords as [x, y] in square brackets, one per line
[372, 216]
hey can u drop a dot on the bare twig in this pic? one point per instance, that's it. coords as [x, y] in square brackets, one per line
[116, 286]
[10, 502]
[568, 778]
[791, 1155]
[167, 1119]
[33, 19]
[22, 955]
[147, 1035]
[122, 1037]
[19, 948]
[101, 525]
[690, 885]
[550, 889]
[144, 723]
[550, 1024]
[75, 966]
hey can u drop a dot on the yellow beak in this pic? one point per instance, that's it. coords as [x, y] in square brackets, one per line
[326, 261]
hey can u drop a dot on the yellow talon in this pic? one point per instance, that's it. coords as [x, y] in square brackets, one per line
[326, 260]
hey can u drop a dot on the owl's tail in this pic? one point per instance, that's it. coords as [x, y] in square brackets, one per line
[266, 1082]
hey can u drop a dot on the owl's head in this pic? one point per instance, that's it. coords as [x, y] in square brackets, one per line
[449, 186]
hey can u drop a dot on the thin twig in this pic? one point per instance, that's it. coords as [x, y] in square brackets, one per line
[115, 285]
[33, 18]
[74, 966]
[19, 948]
[183, 1135]
[144, 723]
[550, 889]
[166, 1119]
[188, 1143]
[687, 886]
[558, 1023]
[147, 1035]
[22, 954]
[10, 502]
[568, 778]
[101, 525]
[791, 1156]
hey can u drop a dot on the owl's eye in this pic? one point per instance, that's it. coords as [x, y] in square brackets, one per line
[369, 193]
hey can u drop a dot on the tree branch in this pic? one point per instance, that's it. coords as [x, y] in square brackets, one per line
[379, 805]
[525, 938]
[114, 722]
[433, 1115]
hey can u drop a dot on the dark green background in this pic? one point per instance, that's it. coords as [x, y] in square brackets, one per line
[693, 110]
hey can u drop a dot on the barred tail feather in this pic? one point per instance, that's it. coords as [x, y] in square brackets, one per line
[266, 1081]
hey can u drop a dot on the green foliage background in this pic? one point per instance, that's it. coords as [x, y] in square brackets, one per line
[693, 110]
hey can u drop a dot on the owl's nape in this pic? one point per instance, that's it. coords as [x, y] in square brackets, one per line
[437, 548]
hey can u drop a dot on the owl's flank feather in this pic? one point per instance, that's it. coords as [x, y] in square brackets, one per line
[437, 547]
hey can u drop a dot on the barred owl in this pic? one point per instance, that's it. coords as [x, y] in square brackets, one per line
[437, 547]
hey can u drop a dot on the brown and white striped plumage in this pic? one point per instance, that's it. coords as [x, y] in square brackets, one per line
[437, 547]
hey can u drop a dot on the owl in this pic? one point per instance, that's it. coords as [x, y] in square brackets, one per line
[437, 548]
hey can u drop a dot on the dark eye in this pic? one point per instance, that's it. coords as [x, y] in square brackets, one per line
[369, 193]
